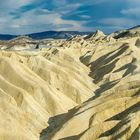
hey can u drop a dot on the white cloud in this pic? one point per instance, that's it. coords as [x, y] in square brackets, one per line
[30, 22]
[67, 8]
[38, 19]
[92, 2]
[7, 6]
[132, 8]
[132, 3]
[131, 12]
[122, 22]
[85, 16]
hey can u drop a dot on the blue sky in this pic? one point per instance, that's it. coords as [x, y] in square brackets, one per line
[28, 16]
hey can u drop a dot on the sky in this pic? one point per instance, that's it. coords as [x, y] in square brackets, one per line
[30, 16]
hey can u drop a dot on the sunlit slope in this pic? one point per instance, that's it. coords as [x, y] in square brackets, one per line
[84, 88]
[37, 85]
[113, 113]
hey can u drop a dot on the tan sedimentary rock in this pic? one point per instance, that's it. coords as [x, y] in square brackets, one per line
[37, 85]
[82, 89]
[113, 113]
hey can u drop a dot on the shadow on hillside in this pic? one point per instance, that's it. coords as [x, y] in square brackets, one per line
[133, 109]
[100, 67]
[124, 121]
[130, 67]
[56, 123]
[76, 137]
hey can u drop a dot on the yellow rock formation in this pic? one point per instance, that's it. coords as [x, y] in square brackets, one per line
[82, 89]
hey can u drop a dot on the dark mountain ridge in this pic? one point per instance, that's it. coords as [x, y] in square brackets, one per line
[46, 35]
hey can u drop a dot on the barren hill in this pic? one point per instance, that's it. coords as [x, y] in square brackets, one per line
[83, 88]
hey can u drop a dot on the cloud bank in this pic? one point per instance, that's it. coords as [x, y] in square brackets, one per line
[28, 16]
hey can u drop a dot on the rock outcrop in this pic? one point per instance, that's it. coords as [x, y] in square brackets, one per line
[113, 112]
[77, 89]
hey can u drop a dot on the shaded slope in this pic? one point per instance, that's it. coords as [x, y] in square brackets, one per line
[113, 113]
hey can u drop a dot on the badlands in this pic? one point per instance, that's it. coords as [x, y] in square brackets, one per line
[82, 88]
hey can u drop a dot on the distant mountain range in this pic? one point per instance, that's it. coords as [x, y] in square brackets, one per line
[46, 35]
